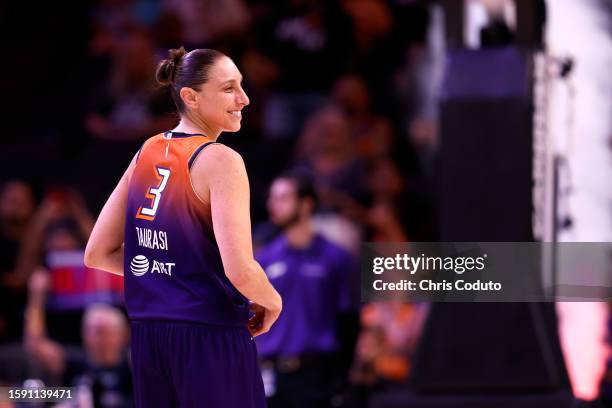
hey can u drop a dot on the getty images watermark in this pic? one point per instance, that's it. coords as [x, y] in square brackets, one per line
[487, 272]
[422, 263]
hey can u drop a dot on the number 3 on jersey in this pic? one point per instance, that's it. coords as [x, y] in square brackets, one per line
[154, 194]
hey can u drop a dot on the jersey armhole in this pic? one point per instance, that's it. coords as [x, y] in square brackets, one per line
[138, 152]
[197, 152]
[190, 165]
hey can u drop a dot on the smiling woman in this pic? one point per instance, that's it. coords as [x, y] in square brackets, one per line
[178, 225]
[210, 98]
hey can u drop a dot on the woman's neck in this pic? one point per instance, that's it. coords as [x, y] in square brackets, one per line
[189, 125]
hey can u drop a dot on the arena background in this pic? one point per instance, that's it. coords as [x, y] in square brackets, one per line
[419, 120]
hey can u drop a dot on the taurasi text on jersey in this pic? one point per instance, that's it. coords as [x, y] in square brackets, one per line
[153, 239]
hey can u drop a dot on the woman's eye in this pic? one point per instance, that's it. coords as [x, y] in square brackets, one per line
[229, 89]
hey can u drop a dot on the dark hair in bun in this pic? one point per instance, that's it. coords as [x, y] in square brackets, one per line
[185, 69]
[167, 68]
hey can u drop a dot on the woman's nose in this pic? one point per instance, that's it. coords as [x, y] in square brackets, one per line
[243, 98]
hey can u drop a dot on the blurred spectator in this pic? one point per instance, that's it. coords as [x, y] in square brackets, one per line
[389, 329]
[386, 218]
[307, 43]
[203, 28]
[424, 134]
[325, 146]
[387, 187]
[383, 217]
[371, 133]
[372, 23]
[168, 31]
[305, 355]
[383, 30]
[386, 344]
[16, 209]
[260, 72]
[126, 105]
[385, 182]
[102, 371]
[310, 41]
[110, 20]
[62, 222]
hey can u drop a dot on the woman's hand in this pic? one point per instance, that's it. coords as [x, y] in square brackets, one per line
[262, 320]
[255, 322]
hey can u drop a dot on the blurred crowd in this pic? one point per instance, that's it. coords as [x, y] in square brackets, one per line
[337, 141]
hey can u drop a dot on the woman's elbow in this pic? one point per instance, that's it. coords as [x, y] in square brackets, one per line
[238, 278]
[91, 256]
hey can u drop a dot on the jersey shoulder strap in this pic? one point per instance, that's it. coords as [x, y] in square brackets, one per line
[197, 152]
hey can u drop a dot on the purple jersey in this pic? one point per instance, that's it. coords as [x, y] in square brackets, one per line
[314, 285]
[173, 268]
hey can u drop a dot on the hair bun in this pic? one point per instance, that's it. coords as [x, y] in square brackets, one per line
[166, 69]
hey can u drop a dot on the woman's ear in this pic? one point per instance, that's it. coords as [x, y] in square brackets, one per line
[189, 97]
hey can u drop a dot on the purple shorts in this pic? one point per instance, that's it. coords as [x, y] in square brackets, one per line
[182, 364]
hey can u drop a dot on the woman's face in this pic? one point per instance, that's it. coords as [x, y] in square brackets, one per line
[221, 99]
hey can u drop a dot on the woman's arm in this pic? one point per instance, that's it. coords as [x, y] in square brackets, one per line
[219, 173]
[105, 246]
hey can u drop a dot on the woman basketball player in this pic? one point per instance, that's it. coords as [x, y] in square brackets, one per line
[178, 227]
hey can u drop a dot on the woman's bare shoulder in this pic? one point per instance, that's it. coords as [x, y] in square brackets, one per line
[217, 160]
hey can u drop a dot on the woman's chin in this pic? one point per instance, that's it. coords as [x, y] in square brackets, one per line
[234, 127]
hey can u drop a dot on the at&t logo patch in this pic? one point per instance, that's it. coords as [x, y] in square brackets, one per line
[139, 265]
